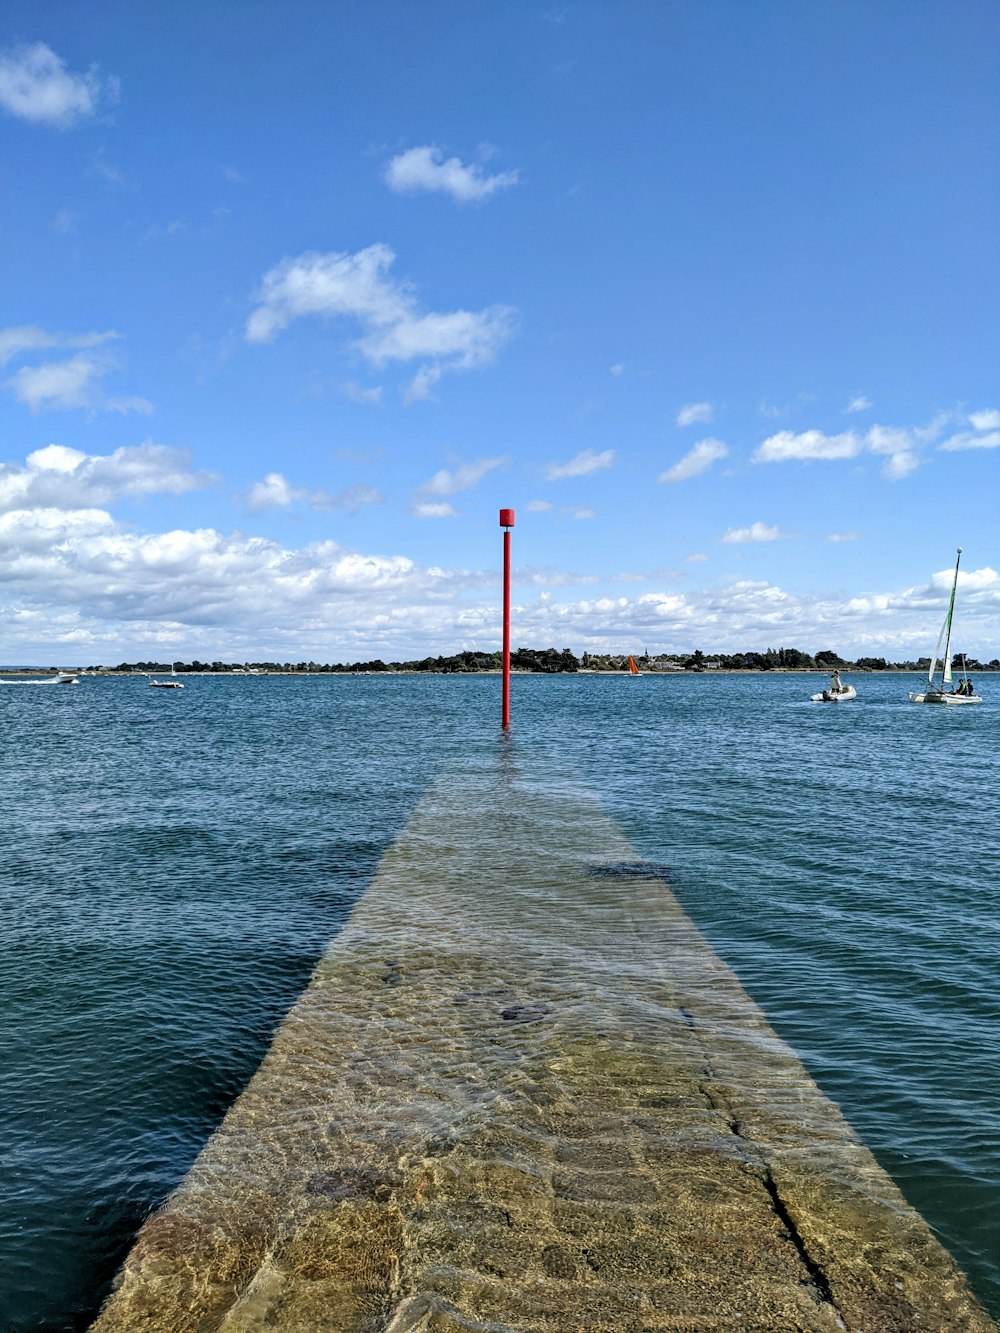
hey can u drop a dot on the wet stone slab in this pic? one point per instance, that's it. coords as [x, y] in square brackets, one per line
[522, 1093]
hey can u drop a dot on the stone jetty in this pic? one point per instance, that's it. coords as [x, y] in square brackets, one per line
[523, 1095]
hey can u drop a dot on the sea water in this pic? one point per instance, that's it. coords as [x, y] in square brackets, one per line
[173, 864]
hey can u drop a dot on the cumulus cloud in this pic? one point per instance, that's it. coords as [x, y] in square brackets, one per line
[58, 478]
[36, 86]
[276, 492]
[692, 414]
[80, 578]
[861, 403]
[898, 445]
[756, 532]
[987, 420]
[582, 465]
[539, 507]
[809, 444]
[697, 460]
[359, 287]
[424, 169]
[697, 558]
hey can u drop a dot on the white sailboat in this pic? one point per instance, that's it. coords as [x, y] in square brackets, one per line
[936, 693]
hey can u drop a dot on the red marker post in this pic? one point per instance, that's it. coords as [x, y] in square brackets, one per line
[506, 522]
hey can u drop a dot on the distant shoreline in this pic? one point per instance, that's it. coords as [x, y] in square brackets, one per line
[36, 672]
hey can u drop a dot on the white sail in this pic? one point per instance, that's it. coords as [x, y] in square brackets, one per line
[946, 675]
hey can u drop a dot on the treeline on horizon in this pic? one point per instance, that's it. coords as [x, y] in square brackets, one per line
[551, 660]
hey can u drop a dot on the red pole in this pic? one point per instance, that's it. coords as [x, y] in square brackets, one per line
[506, 522]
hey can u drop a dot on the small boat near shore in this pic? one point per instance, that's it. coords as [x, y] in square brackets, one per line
[935, 693]
[60, 678]
[155, 684]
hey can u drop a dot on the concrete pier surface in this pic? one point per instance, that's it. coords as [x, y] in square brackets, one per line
[522, 1093]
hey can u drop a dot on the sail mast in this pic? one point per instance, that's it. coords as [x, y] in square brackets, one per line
[946, 661]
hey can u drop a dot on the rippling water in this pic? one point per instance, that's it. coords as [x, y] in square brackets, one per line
[173, 864]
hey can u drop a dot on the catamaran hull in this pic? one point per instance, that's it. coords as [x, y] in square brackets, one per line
[935, 697]
[842, 697]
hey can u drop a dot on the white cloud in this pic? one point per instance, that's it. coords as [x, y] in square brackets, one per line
[787, 444]
[756, 532]
[966, 440]
[539, 507]
[359, 287]
[30, 338]
[895, 443]
[462, 478]
[59, 478]
[580, 511]
[423, 169]
[79, 578]
[697, 558]
[275, 492]
[861, 403]
[434, 509]
[61, 385]
[843, 536]
[58, 385]
[692, 414]
[582, 465]
[36, 86]
[697, 460]
[618, 368]
[986, 420]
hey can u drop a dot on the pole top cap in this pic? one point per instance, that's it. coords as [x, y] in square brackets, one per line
[506, 518]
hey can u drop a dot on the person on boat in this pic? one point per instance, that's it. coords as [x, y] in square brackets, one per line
[968, 685]
[835, 686]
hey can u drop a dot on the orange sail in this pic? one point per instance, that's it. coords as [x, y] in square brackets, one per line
[633, 670]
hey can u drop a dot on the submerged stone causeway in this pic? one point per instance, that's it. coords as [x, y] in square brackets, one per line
[523, 1095]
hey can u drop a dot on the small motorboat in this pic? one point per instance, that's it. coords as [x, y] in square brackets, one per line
[170, 684]
[836, 692]
[833, 696]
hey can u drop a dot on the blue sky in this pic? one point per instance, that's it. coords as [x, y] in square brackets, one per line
[297, 295]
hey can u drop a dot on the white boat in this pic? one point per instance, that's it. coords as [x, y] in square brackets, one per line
[166, 684]
[833, 695]
[60, 678]
[936, 693]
